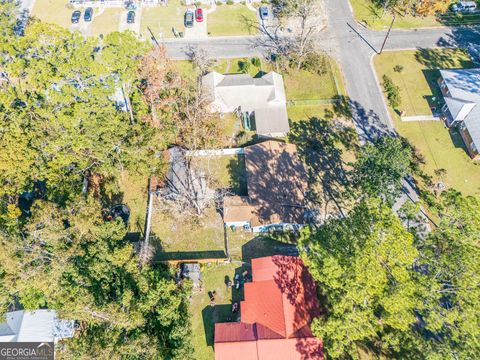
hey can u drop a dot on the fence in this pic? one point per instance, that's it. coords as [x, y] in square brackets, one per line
[216, 152]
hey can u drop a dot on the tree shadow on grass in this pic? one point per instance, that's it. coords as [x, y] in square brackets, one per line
[319, 143]
[238, 176]
[212, 315]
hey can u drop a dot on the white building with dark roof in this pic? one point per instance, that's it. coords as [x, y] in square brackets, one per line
[461, 91]
[263, 99]
[35, 326]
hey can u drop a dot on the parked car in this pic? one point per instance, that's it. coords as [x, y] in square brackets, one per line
[88, 14]
[199, 14]
[131, 17]
[189, 18]
[465, 7]
[76, 15]
[263, 12]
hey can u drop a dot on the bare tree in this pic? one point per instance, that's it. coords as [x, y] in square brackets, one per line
[189, 187]
[201, 59]
[293, 36]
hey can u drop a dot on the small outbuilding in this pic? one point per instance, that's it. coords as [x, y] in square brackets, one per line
[191, 271]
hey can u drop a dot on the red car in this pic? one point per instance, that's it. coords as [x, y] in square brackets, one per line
[199, 15]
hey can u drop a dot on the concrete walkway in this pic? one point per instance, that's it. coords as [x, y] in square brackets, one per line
[421, 118]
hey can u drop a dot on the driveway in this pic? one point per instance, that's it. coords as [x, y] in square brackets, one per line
[199, 29]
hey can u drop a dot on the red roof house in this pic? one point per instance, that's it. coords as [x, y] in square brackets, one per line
[279, 305]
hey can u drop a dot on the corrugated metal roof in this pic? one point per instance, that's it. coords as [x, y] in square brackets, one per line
[279, 305]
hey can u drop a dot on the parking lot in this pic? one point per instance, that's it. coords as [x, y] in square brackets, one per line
[161, 21]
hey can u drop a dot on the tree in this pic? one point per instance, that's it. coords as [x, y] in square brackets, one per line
[381, 167]
[393, 92]
[294, 46]
[363, 266]
[451, 255]
[72, 261]
[58, 113]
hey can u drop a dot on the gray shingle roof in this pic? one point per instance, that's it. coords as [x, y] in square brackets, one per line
[265, 96]
[463, 100]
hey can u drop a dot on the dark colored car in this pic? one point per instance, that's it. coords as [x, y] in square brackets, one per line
[131, 17]
[199, 15]
[76, 15]
[188, 19]
[88, 14]
[263, 12]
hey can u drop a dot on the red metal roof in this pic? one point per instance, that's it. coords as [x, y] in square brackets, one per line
[279, 306]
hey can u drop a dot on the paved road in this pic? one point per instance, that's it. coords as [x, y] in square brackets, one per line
[353, 46]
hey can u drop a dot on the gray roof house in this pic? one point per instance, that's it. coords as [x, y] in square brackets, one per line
[35, 326]
[461, 91]
[263, 97]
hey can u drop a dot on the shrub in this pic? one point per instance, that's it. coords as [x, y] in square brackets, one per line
[219, 3]
[256, 62]
[229, 2]
[392, 91]
[244, 66]
[316, 63]
[398, 68]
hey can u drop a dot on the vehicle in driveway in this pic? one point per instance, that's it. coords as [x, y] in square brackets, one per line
[76, 15]
[199, 14]
[188, 19]
[87, 17]
[131, 17]
[263, 12]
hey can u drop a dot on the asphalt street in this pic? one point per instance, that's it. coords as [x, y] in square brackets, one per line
[354, 47]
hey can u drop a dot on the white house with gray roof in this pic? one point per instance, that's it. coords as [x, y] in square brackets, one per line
[35, 326]
[262, 99]
[461, 91]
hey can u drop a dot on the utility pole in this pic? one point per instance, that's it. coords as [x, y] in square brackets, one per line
[386, 36]
[148, 223]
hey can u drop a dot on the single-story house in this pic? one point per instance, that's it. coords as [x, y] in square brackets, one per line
[276, 187]
[35, 326]
[260, 100]
[461, 91]
[280, 304]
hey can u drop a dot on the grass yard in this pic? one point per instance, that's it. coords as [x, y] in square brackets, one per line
[417, 81]
[441, 148]
[186, 238]
[228, 170]
[105, 21]
[243, 247]
[53, 11]
[161, 20]
[375, 18]
[133, 192]
[228, 20]
[304, 112]
[205, 316]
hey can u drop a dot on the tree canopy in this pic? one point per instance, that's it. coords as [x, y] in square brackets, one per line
[72, 110]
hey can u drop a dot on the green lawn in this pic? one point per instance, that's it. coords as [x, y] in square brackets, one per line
[205, 316]
[228, 20]
[162, 19]
[185, 237]
[417, 81]
[376, 18]
[243, 247]
[105, 21]
[228, 171]
[53, 11]
[441, 148]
